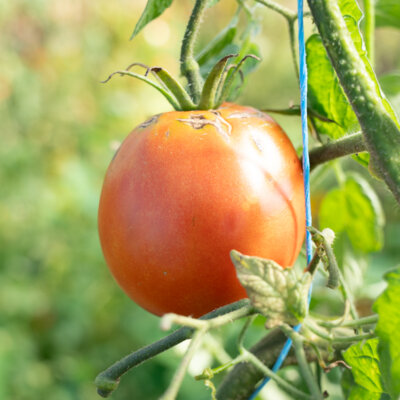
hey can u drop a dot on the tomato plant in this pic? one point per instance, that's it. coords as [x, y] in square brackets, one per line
[204, 206]
[186, 188]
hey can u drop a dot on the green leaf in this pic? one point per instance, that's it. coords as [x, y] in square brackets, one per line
[325, 95]
[354, 209]
[153, 9]
[388, 331]
[277, 293]
[387, 13]
[363, 359]
[350, 8]
[214, 49]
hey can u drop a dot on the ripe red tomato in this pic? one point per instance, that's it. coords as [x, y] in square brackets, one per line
[187, 187]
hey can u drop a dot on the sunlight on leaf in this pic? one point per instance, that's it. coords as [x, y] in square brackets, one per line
[154, 8]
[326, 96]
[355, 209]
[364, 361]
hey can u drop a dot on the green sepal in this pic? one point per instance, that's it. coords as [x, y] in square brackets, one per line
[184, 100]
[169, 96]
[212, 83]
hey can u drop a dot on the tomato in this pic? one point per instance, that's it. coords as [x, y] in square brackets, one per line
[187, 187]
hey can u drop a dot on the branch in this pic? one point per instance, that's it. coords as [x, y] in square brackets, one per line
[342, 147]
[107, 381]
[379, 125]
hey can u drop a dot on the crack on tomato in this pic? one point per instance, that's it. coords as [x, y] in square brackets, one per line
[167, 133]
[247, 114]
[199, 121]
[150, 121]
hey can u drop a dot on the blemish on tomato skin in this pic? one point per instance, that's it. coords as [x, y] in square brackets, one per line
[152, 120]
[199, 121]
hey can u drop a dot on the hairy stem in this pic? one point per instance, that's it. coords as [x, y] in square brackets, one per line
[107, 381]
[369, 29]
[351, 144]
[380, 128]
[189, 66]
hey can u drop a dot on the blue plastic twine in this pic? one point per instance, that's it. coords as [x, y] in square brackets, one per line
[306, 174]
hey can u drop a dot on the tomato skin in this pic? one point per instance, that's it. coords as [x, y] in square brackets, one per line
[187, 187]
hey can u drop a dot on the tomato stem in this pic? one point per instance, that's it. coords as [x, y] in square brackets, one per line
[285, 12]
[107, 381]
[189, 66]
[304, 367]
[379, 125]
[351, 144]
[293, 47]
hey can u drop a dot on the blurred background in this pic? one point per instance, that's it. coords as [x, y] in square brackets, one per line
[62, 317]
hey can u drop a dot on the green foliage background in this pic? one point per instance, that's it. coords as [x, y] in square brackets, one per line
[62, 317]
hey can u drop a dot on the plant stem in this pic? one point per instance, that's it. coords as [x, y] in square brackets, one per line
[290, 17]
[304, 367]
[369, 29]
[177, 380]
[355, 323]
[209, 373]
[216, 322]
[380, 128]
[107, 381]
[242, 333]
[189, 66]
[338, 339]
[285, 12]
[342, 147]
[289, 388]
[293, 47]
[347, 295]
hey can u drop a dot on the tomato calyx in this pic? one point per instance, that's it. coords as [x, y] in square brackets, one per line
[215, 91]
